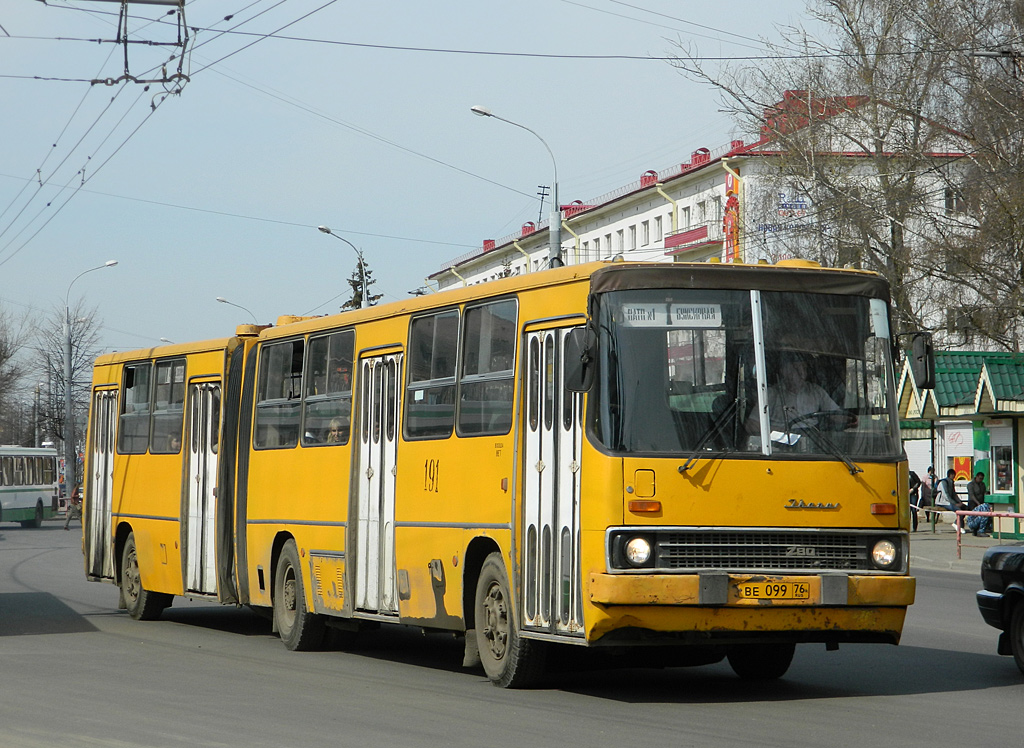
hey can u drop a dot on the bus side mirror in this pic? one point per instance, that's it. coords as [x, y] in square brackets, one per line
[922, 360]
[580, 359]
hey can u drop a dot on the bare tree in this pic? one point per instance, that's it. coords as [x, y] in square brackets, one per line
[866, 121]
[13, 429]
[49, 342]
[980, 249]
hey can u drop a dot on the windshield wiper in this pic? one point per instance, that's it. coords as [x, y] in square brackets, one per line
[819, 437]
[714, 428]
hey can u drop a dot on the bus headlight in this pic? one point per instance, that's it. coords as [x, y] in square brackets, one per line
[885, 554]
[637, 551]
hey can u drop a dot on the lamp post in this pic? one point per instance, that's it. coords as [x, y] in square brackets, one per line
[364, 299]
[70, 456]
[222, 300]
[555, 221]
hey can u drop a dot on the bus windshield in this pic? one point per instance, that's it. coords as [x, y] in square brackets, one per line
[689, 371]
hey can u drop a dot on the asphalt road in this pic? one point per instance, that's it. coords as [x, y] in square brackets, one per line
[75, 671]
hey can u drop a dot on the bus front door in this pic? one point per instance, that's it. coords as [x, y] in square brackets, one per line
[99, 495]
[380, 377]
[551, 490]
[201, 475]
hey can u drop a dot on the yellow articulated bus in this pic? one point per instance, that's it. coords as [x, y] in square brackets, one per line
[700, 460]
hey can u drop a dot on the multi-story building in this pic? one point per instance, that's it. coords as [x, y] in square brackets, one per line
[739, 202]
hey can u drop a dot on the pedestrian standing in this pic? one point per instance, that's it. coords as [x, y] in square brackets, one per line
[74, 510]
[915, 497]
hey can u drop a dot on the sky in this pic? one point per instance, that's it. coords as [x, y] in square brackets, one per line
[322, 112]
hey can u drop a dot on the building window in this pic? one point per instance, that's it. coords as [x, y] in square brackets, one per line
[608, 244]
[954, 201]
[632, 238]
[657, 229]
[686, 217]
[597, 248]
[645, 233]
[619, 240]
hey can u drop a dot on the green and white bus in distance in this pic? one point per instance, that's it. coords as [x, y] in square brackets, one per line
[29, 488]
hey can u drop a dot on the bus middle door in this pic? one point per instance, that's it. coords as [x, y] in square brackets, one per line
[201, 484]
[376, 590]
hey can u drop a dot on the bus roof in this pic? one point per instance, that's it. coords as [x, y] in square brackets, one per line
[606, 275]
[14, 449]
[177, 349]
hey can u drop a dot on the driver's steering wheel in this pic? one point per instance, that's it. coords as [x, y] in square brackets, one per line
[823, 420]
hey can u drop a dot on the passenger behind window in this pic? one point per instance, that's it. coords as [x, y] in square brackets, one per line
[335, 432]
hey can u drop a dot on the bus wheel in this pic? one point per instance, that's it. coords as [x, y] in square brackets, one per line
[37, 520]
[509, 660]
[142, 605]
[761, 661]
[300, 630]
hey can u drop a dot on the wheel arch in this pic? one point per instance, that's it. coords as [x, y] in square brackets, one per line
[120, 538]
[280, 539]
[479, 549]
[1013, 596]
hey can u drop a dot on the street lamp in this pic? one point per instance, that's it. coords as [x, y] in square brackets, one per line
[555, 222]
[70, 456]
[222, 300]
[364, 299]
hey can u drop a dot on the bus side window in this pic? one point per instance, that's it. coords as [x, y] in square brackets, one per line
[486, 379]
[430, 396]
[133, 430]
[278, 412]
[168, 407]
[327, 405]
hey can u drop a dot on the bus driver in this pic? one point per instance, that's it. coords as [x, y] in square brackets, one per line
[793, 400]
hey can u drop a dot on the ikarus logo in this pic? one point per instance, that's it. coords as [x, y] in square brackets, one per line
[801, 504]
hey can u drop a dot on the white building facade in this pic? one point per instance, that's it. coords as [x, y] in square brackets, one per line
[726, 204]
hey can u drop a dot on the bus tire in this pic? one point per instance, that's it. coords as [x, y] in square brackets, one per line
[141, 604]
[761, 661]
[509, 660]
[300, 630]
[37, 520]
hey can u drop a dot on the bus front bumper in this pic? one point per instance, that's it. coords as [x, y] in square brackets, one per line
[761, 590]
[714, 608]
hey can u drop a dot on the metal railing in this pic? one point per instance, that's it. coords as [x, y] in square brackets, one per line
[975, 513]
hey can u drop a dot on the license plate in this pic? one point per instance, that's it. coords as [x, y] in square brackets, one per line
[774, 590]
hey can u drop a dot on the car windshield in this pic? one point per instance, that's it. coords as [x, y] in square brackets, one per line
[744, 372]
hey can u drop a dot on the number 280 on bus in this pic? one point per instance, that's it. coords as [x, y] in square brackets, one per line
[703, 459]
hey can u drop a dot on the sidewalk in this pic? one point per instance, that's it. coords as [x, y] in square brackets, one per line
[938, 551]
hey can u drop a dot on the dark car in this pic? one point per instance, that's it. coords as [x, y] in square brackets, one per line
[1002, 601]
